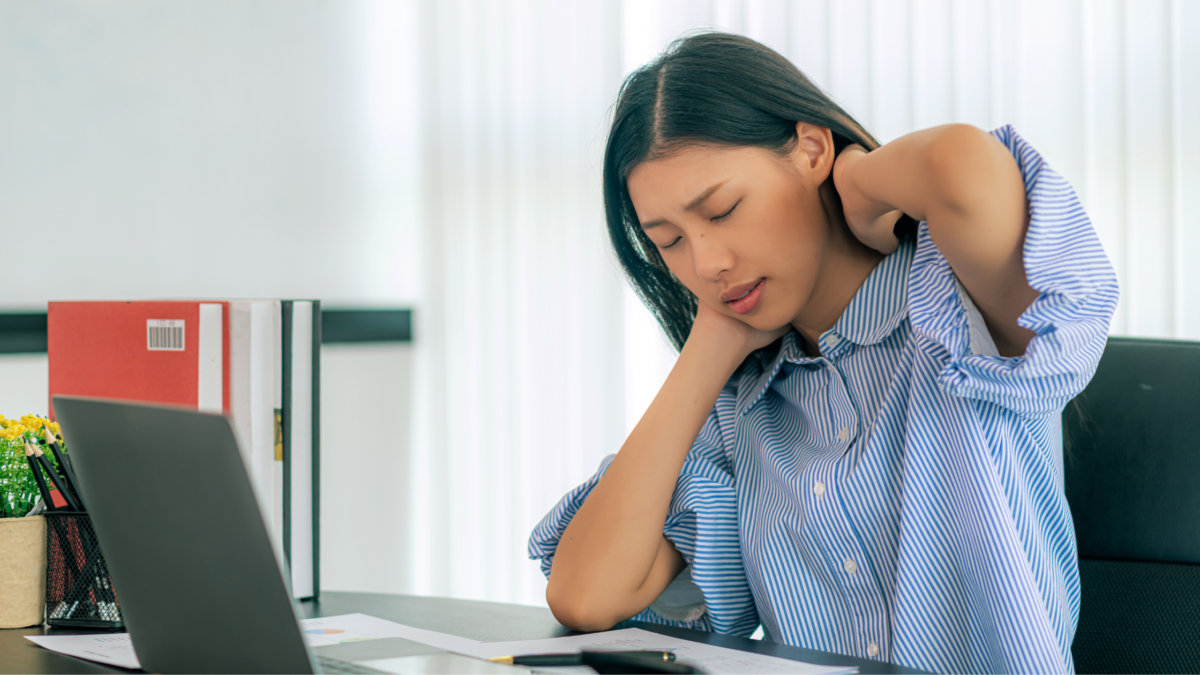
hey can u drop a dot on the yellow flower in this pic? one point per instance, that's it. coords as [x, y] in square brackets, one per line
[12, 429]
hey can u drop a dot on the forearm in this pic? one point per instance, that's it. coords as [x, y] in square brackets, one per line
[602, 571]
[967, 186]
[910, 173]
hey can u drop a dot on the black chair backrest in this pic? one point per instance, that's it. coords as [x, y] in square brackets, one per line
[1132, 478]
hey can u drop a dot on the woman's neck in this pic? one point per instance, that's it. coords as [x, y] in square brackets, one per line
[845, 265]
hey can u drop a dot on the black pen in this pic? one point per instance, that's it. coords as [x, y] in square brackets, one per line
[37, 476]
[63, 465]
[576, 658]
[59, 483]
[635, 662]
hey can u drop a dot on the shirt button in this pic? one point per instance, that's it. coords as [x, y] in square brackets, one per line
[844, 434]
[872, 650]
[818, 488]
[850, 566]
[833, 340]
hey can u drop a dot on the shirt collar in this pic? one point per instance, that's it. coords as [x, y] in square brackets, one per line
[874, 313]
[880, 304]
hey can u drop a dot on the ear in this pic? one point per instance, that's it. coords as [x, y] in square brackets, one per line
[814, 153]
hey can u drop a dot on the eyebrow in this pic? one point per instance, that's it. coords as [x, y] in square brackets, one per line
[691, 205]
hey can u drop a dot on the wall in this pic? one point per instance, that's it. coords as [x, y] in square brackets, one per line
[194, 148]
[366, 430]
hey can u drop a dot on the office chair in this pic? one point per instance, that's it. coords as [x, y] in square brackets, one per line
[1132, 478]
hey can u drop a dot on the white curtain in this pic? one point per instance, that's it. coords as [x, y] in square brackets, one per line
[534, 361]
[519, 330]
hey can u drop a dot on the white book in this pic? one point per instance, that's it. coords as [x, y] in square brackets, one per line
[272, 395]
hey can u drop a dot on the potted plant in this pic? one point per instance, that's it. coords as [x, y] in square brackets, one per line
[22, 537]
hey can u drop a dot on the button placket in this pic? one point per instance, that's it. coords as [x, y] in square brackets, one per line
[847, 552]
[841, 421]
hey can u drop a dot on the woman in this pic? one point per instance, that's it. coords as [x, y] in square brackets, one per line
[859, 445]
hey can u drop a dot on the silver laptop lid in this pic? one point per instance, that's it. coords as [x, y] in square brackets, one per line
[192, 565]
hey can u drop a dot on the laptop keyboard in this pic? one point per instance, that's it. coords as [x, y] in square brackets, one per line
[328, 665]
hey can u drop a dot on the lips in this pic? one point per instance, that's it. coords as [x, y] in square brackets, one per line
[739, 291]
[747, 302]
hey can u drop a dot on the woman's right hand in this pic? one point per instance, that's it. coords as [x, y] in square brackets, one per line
[733, 333]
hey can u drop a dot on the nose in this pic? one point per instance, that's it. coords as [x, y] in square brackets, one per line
[712, 257]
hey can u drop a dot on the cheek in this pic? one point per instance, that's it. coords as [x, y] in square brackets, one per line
[685, 272]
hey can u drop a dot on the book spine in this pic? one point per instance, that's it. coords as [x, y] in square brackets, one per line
[315, 394]
[210, 389]
[301, 352]
[288, 398]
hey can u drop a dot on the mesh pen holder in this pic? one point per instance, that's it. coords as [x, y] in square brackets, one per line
[79, 590]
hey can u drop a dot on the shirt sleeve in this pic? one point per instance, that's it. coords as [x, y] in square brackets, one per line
[1077, 288]
[702, 524]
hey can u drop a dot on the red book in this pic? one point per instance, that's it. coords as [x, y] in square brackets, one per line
[154, 351]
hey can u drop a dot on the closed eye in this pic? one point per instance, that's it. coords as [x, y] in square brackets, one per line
[725, 215]
[675, 241]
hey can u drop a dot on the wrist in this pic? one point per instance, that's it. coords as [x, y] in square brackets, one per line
[718, 351]
[869, 205]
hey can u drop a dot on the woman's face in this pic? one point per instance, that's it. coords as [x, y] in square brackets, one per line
[744, 229]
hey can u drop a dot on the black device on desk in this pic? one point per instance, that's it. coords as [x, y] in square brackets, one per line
[200, 588]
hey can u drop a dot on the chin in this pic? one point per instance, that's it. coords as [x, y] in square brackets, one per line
[764, 322]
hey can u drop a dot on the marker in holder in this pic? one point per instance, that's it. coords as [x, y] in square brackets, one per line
[79, 590]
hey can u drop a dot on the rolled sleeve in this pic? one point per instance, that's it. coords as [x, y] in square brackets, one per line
[1077, 295]
[701, 523]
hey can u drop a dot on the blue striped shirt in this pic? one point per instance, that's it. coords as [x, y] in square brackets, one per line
[900, 497]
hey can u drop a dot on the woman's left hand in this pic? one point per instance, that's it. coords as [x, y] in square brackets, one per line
[871, 221]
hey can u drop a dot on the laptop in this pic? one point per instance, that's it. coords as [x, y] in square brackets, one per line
[200, 588]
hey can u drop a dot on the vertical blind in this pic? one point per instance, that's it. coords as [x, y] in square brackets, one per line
[534, 359]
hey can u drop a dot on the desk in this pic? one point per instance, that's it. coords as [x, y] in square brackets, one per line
[486, 621]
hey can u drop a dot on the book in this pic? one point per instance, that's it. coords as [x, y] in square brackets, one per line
[256, 360]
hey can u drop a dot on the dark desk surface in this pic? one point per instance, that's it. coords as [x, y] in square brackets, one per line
[485, 621]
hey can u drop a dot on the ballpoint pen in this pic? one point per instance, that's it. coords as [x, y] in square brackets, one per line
[575, 658]
[605, 661]
[635, 662]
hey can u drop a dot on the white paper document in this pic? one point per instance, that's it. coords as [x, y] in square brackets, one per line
[333, 630]
[711, 659]
[116, 649]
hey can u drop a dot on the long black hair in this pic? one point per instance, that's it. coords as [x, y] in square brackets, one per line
[712, 88]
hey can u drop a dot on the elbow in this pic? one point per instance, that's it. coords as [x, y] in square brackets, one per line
[957, 162]
[579, 611]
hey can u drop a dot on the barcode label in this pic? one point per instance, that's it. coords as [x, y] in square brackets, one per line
[164, 335]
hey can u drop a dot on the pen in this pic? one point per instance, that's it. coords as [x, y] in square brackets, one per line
[576, 658]
[59, 482]
[624, 662]
[37, 476]
[63, 465]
